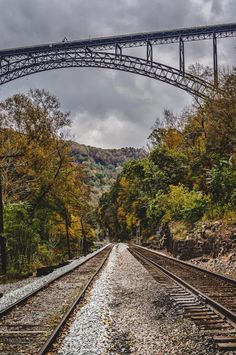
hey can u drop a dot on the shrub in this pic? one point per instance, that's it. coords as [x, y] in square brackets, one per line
[222, 183]
[179, 204]
[22, 236]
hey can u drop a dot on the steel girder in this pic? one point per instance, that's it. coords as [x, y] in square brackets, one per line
[26, 65]
[133, 40]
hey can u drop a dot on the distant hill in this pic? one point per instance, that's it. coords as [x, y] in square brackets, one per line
[103, 165]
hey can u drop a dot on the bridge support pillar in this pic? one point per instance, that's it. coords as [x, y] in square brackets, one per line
[215, 60]
[181, 56]
[149, 52]
[118, 50]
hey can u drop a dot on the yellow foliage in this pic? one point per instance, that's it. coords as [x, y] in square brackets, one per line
[173, 139]
[121, 215]
[178, 229]
[131, 220]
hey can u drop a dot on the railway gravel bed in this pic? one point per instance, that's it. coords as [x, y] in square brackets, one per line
[7, 286]
[128, 312]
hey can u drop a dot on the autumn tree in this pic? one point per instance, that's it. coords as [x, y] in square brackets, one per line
[41, 182]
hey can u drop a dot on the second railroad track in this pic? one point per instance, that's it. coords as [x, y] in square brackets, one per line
[207, 298]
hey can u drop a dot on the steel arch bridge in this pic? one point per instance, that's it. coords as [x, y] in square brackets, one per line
[107, 52]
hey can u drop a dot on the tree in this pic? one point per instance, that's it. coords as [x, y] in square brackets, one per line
[31, 128]
[39, 173]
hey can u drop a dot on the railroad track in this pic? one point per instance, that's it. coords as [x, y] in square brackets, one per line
[31, 325]
[207, 298]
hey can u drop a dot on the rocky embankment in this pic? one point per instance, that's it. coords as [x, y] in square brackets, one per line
[224, 265]
[210, 245]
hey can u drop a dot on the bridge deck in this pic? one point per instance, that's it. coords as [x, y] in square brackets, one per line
[133, 40]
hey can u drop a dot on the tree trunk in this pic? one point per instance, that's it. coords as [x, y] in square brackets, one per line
[2, 239]
[85, 243]
[67, 235]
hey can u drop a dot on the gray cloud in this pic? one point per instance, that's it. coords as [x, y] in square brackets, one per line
[108, 108]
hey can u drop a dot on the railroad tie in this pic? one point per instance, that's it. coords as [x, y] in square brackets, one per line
[20, 333]
[226, 343]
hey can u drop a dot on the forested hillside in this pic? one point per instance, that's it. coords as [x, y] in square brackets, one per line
[49, 187]
[102, 166]
[187, 181]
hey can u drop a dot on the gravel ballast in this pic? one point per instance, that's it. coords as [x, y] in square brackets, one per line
[9, 286]
[222, 265]
[128, 312]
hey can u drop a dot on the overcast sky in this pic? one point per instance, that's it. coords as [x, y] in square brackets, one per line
[111, 109]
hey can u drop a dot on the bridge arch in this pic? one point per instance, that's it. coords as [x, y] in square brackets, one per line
[20, 66]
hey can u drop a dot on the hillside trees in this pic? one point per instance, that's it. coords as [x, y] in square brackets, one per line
[43, 189]
[189, 173]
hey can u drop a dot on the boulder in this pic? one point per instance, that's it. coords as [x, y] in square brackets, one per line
[45, 270]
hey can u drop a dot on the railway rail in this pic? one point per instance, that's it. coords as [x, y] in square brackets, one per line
[207, 298]
[31, 325]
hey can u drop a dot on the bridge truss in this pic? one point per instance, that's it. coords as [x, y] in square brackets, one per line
[108, 52]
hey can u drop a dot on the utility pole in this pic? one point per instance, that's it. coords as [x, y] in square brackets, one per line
[3, 253]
